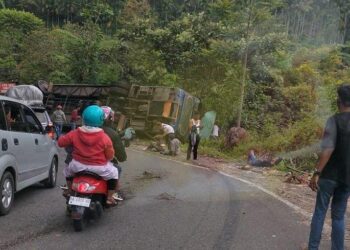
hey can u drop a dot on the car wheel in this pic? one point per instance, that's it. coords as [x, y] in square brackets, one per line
[50, 182]
[7, 191]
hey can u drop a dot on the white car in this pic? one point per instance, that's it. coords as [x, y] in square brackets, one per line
[27, 154]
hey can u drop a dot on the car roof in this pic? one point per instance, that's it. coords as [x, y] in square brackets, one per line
[41, 108]
[5, 98]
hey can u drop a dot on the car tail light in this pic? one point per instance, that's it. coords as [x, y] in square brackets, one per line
[51, 132]
[82, 187]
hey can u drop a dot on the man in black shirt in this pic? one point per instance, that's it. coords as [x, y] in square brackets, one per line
[331, 178]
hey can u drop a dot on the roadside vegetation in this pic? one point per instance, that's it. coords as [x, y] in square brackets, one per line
[270, 66]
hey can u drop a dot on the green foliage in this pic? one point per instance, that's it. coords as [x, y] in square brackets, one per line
[15, 26]
[260, 54]
[18, 21]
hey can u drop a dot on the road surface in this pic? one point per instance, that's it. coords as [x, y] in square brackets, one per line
[172, 207]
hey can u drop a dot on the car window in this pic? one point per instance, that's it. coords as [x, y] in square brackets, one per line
[14, 118]
[2, 119]
[33, 124]
[41, 116]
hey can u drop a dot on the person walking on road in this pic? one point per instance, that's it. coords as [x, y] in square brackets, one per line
[194, 138]
[58, 118]
[331, 178]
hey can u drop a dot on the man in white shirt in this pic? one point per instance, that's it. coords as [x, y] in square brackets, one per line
[168, 131]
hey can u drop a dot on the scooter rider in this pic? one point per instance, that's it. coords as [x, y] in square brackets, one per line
[92, 150]
[119, 149]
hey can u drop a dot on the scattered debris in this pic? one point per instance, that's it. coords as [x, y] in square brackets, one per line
[165, 196]
[246, 167]
[148, 175]
[297, 179]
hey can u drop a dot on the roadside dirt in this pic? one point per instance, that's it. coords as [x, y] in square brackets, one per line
[269, 178]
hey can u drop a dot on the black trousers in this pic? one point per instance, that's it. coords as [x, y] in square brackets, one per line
[195, 147]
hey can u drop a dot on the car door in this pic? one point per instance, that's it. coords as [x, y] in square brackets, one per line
[4, 138]
[20, 142]
[41, 141]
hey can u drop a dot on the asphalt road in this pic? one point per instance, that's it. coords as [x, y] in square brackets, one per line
[173, 207]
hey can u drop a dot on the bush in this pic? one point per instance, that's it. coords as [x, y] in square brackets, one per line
[13, 20]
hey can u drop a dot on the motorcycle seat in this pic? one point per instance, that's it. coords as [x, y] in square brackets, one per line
[96, 176]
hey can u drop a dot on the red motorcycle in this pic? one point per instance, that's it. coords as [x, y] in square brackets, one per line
[87, 199]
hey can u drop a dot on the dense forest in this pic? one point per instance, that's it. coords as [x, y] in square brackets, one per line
[270, 66]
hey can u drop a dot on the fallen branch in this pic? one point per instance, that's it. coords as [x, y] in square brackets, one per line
[297, 170]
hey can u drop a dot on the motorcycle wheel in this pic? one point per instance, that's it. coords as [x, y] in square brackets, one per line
[78, 225]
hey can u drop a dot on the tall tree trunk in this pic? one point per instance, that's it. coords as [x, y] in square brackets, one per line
[243, 83]
[347, 29]
[244, 66]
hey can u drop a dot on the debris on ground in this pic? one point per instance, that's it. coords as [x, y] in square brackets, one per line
[165, 196]
[296, 176]
[148, 175]
[246, 167]
[293, 178]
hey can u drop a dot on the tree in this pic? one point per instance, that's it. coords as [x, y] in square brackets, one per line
[46, 57]
[244, 22]
[344, 8]
[15, 26]
[19, 21]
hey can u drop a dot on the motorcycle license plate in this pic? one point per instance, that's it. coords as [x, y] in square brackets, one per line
[78, 201]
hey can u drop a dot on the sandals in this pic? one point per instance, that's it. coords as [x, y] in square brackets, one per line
[117, 197]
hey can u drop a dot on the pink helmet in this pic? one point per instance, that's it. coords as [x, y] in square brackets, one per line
[109, 113]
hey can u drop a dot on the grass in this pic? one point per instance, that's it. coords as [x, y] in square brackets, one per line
[303, 160]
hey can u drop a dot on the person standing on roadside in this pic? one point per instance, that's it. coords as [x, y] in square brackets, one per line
[215, 132]
[74, 117]
[194, 138]
[58, 118]
[331, 178]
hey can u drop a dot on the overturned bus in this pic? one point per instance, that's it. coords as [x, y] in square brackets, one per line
[146, 104]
